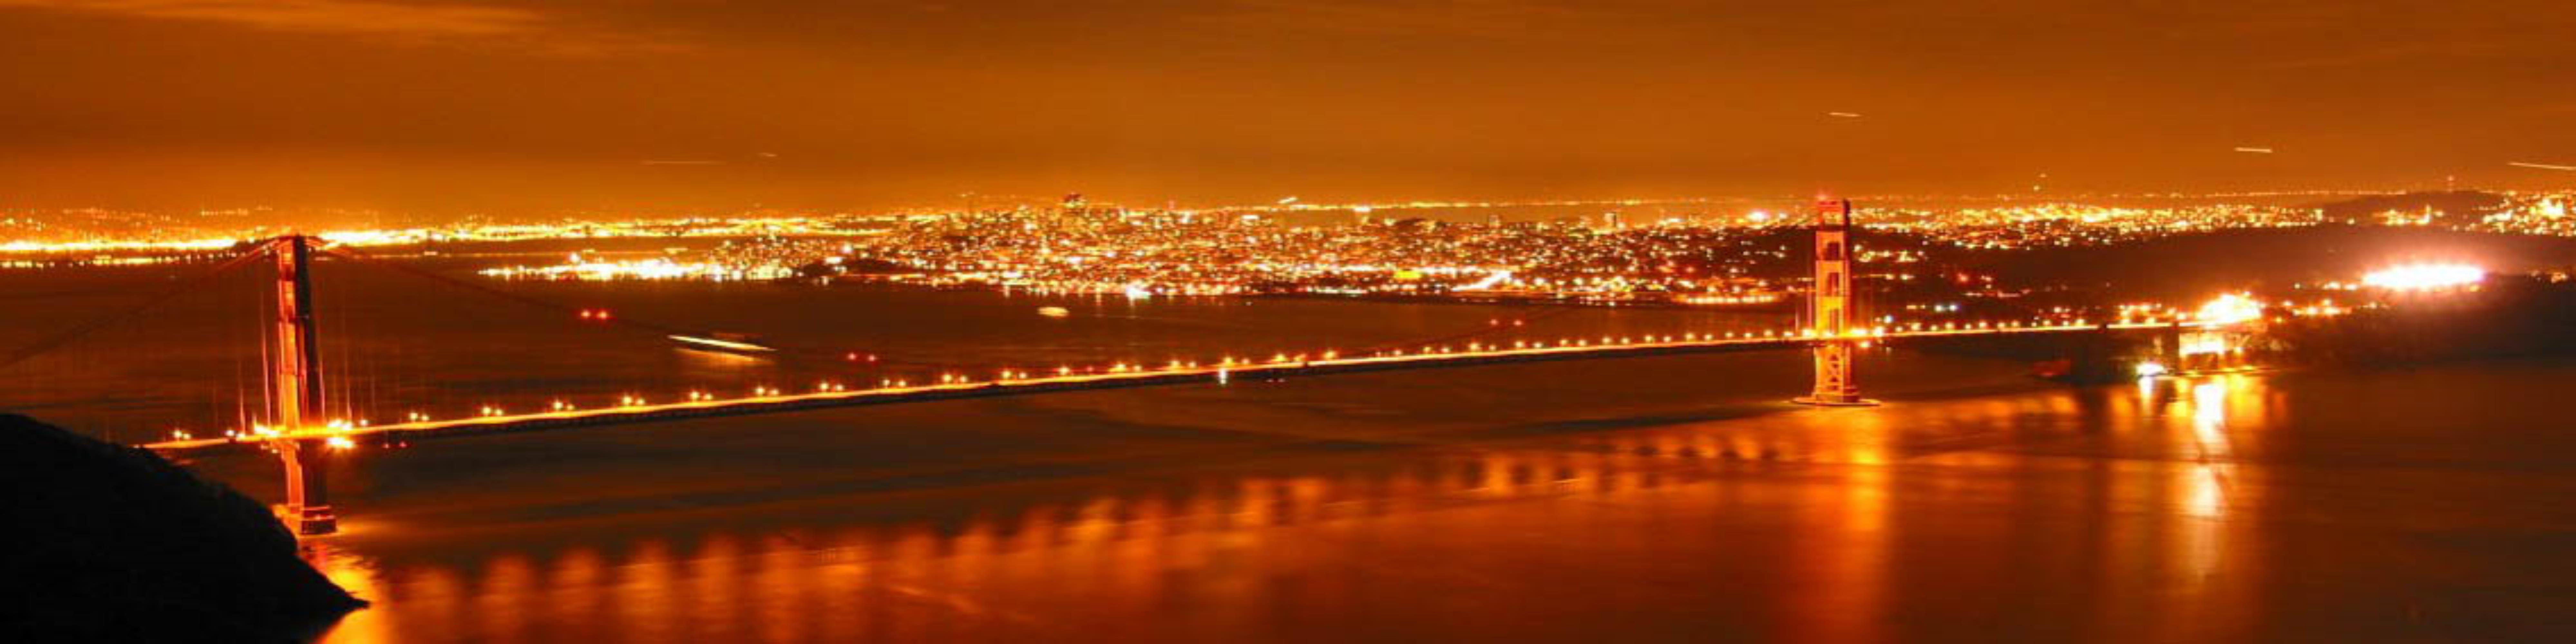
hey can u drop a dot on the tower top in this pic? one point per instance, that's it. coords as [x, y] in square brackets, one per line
[1833, 212]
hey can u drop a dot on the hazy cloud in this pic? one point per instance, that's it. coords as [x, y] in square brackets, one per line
[467, 103]
[407, 22]
[1517, 19]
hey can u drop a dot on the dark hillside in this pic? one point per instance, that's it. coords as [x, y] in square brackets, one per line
[113, 544]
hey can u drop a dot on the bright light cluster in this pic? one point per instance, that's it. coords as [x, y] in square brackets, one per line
[2230, 308]
[650, 269]
[2425, 277]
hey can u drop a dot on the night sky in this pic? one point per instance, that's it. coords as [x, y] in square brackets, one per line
[569, 104]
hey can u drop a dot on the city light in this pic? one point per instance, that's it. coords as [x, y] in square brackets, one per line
[2425, 277]
[2228, 309]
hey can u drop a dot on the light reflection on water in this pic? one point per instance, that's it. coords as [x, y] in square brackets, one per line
[2097, 514]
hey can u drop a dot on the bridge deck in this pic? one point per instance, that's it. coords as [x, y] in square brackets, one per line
[1137, 377]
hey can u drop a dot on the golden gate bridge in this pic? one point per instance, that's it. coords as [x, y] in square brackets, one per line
[302, 433]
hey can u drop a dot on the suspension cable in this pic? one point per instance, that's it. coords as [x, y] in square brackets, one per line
[22, 354]
[615, 321]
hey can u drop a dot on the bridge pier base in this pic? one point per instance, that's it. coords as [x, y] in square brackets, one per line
[1834, 401]
[1834, 386]
[308, 489]
[2169, 346]
[1854, 401]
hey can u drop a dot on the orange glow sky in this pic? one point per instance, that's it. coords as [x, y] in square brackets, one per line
[454, 105]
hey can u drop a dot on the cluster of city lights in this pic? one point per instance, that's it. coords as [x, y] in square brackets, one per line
[2229, 308]
[648, 269]
[2425, 277]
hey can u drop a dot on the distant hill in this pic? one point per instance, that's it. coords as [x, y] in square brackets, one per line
[2196, 265]
[2508, 318]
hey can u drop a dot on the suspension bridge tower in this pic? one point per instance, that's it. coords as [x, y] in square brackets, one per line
[1829, 310]
[296, 404]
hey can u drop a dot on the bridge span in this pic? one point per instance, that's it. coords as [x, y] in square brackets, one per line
[830, 395]
[305, 443]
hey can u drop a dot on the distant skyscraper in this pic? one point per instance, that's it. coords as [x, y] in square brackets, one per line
[1073, 208]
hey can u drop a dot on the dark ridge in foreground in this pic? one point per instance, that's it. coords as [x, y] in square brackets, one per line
[108, 543]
